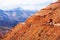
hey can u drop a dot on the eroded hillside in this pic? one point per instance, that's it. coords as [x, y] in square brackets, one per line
[44, 25]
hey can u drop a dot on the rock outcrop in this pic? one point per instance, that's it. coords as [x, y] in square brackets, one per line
[44, 25]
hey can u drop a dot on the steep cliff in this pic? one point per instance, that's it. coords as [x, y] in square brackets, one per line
[44, 25]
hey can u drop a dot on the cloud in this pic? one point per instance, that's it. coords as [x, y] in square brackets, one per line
[25, 4]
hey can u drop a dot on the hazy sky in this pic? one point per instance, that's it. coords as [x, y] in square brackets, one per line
[25, 4]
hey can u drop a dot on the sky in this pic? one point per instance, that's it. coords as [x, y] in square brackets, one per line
[25, 4]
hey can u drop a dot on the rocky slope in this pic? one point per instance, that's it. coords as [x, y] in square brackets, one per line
[3, 31]
[44, 25]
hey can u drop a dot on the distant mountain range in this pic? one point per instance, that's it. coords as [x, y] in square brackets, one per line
[10, 18]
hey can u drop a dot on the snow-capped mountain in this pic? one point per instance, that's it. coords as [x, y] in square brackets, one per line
[10, 18]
